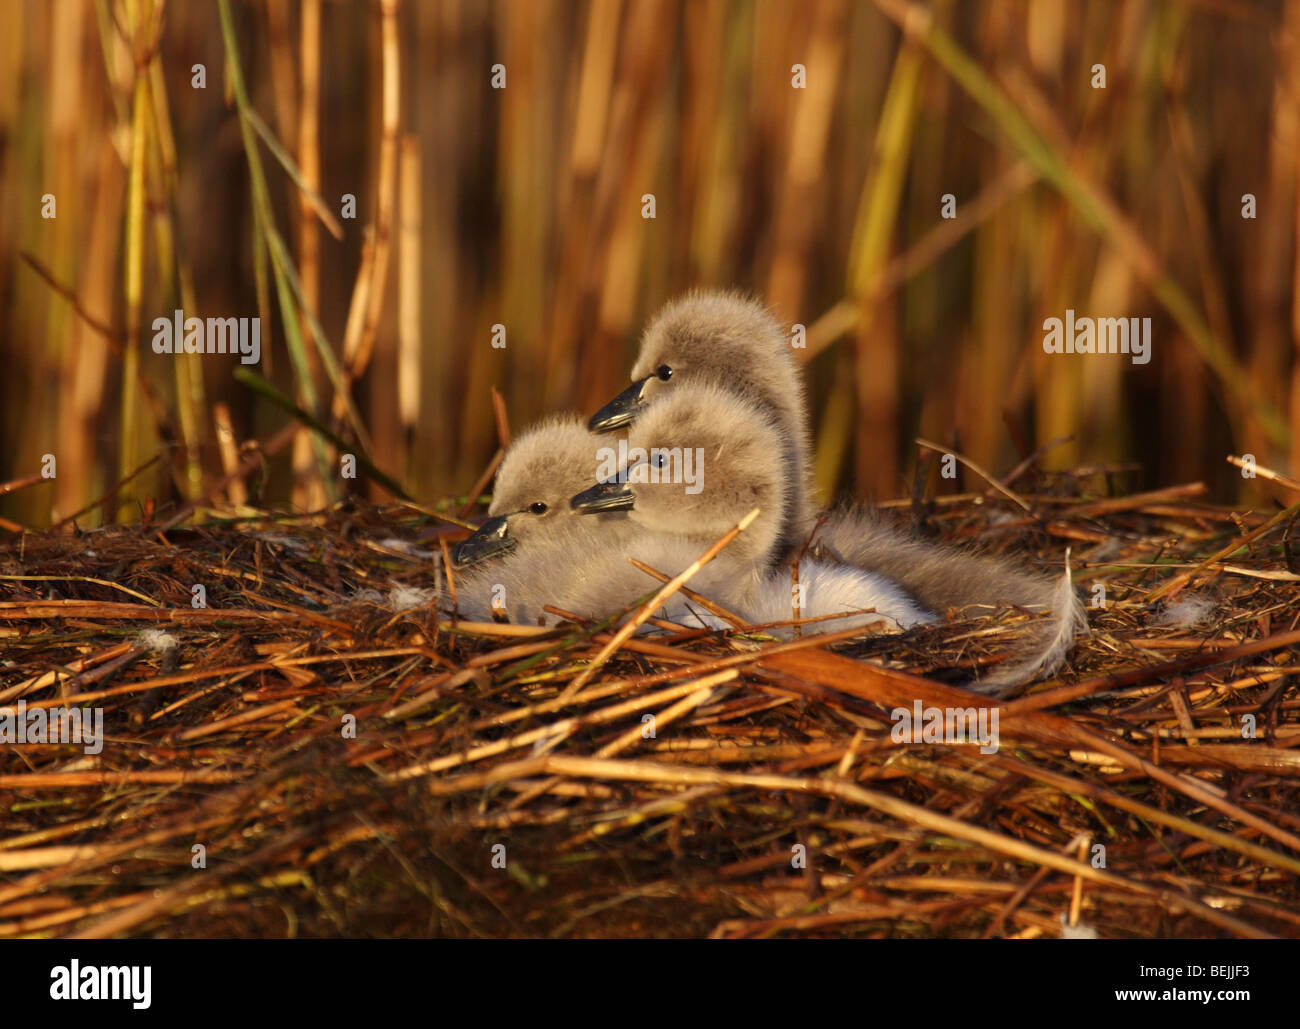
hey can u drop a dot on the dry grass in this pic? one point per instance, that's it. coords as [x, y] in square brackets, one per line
[464, 741]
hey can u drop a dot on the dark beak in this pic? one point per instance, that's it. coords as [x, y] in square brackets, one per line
[622, 410]
[491, 539]
[604, 496]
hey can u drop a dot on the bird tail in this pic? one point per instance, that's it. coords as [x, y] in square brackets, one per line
[1047, 645]
[942, 576]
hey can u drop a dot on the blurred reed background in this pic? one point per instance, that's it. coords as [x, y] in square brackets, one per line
[523, 207]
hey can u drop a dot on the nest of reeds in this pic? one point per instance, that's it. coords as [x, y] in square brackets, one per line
[306, 747]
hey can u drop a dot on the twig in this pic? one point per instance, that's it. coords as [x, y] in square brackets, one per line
[654, 604]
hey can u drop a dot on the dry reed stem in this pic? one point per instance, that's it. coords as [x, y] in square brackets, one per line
[986, 476]
[386, 177]
[654, 603]
[1265, 473]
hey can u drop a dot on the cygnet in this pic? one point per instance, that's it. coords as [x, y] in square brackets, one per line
[698, 460]
[540, 471]
[535, 551]
[730, 341]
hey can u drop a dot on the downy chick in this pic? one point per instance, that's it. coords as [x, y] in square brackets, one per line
[531, 491]
[727, 339]
[535, 551]
[698, 460]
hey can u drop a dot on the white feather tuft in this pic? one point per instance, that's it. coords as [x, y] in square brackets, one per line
[1051, 645]
[404, 598]
[1082, 931]
[157, 640]
[1185, 612]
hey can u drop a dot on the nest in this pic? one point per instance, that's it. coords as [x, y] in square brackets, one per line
[305, 746]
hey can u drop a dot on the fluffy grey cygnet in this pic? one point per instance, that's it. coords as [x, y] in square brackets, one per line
[530, 494]
[700, 459]
[535, 550]
[730, 340]
[725, 339]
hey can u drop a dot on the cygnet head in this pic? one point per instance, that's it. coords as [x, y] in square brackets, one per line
[732, 341]
[698, 460]
[711, 335]
[541, 470]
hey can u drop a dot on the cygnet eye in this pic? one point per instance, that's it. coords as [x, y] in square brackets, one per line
[664, 372]
[537, 507]
[659, 460]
